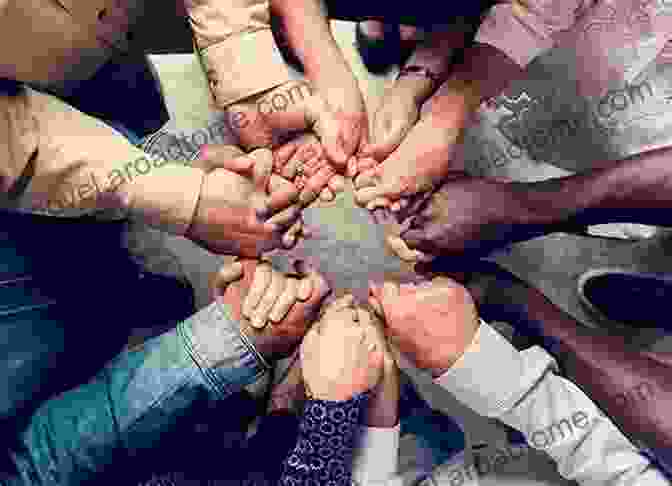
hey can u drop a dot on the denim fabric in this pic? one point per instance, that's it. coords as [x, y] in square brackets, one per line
[69, 294]
[99, 432]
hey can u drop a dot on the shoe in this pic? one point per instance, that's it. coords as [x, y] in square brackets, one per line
[378, 55]
[623, 297]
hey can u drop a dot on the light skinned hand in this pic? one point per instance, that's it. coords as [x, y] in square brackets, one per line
[397, 113]
[338, 358]
[243, 208]
[431, 323]
[418, 165]
[279, 307]
[304, 162]
[335, 113]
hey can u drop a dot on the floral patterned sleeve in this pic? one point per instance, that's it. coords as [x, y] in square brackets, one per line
[325, 445]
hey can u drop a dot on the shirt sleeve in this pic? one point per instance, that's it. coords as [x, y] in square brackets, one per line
[58, 161]
[237, 48]
[523, 390]
[325, 445]
[524, 29]
[376, 457]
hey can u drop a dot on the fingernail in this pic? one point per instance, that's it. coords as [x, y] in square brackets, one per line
[305, 289]
[258, 323]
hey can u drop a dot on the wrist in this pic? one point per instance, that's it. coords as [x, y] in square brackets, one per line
[416, 83]
[460, 346]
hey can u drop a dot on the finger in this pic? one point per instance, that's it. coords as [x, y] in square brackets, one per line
[282, 156]
[364, 318]
[290, 238]
[417, 240]
[337, 184]
[285, 301]
[282, 194]
[392, 191]
[339, 305]
[273, 292]
[366, 178]
[307, 282]
[379, 202]
[286, 217]
[327, 195]
[260, 282]
[315, 184]
[352, 168]
[220, 156]
[225, 276]
[390, 292]
[263, 167]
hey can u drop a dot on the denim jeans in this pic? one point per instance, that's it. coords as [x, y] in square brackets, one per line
[109, 428]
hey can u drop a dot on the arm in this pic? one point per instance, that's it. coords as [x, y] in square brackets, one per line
[309, 35]
[512, 34]
[445, 336]
[326, 441]
[63, 162]
[554, 414]
[636, 190]
[134, 402]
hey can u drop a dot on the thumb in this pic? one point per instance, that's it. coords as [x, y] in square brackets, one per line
[387, 140]
[262, 168]
[224, 277]
[227, 157]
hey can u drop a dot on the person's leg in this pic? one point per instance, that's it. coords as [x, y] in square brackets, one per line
[69, 294]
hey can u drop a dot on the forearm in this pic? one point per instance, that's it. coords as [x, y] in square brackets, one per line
[135, 401]
[61, 162]
[320, 417]
[309, 35]
[472, 82]
[637, 190]
[554, 414]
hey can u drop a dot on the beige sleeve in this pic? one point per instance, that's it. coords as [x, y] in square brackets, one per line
[61, 162]
[237, 49]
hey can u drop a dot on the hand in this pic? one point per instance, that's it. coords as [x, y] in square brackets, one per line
[335, 113]
[418, 165]
[472, 215]
[397, 113]
[338, 359]
[303, 162]
[237, 195]
[432, 323]
[276, 309]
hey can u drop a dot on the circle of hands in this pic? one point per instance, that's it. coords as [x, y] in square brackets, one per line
[402, 170]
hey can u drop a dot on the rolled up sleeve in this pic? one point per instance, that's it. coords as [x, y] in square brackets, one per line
[237, 49]
[524, 29]
[61, 162]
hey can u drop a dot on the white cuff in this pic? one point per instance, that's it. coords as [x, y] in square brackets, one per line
[377, 456]
[491, 375]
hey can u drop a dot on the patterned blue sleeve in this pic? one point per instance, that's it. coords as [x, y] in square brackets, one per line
[324, 448]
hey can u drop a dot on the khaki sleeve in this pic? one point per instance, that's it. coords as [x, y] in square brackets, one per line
[237, 49]
[61, 162]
